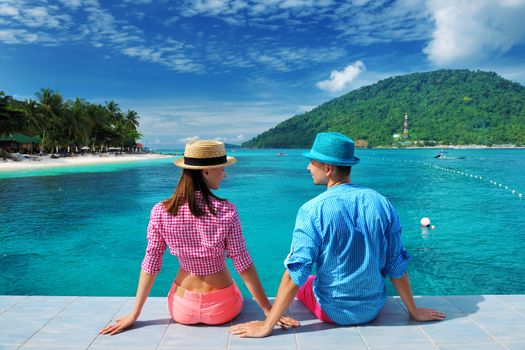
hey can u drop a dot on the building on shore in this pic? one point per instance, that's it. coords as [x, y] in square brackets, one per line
[16, 142]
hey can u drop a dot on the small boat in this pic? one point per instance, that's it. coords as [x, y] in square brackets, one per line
[441, 155]
[281, 154]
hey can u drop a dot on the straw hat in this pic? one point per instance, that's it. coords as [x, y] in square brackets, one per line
[333, 148]
[204, 154]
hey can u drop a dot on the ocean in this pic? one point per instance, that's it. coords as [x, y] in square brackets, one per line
[82, 231]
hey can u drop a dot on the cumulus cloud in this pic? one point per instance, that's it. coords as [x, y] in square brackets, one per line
[178, 121]
[471, 31]
[7, 10]
[339, 80]
[171, 57]
[189, 139]
[17, 36]
[73, 4]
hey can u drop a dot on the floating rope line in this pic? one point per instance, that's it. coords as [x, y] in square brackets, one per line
[514, 192]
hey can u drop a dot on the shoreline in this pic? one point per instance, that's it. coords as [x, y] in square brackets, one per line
[45, 162]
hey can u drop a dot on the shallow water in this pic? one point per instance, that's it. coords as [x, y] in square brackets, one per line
[81, 231]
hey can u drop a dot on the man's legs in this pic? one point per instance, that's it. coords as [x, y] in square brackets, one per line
[307, 297]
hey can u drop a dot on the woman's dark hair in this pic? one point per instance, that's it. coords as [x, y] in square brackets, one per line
[191, 181]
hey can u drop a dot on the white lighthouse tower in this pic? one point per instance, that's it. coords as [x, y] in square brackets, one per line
[405, 127]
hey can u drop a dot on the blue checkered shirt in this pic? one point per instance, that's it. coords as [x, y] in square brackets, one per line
[352, 236]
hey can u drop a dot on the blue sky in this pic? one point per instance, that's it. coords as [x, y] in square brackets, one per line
[232, 69]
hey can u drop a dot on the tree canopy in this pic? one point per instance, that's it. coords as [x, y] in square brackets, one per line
[457, 107]
[62, 124]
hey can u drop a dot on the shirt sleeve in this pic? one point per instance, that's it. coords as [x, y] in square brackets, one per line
[305, 247]
[236, 245]
[396, 256]
[152, 262]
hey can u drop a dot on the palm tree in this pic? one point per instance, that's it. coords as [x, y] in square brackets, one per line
[76, 125]
[98, 115]
[131, 123]
[116, 119]
[52, 107]
[35, 119]
[11, 117]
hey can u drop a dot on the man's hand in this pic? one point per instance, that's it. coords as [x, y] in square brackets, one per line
[253, 329]
[121, 324]
[427, 314]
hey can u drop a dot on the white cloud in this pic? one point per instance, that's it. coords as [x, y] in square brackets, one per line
[286, 59]
[174, 122]
[380, 21]
[472, 31]
[6, 10]
[340, 80]
[138, 2]
[17, 36]
[171, 57]
[237, 12]
[189, 139]
[39, 16]
[73, 4]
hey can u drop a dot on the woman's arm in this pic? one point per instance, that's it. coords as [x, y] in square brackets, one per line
[258, 329]
[253, 283]
[145, 283]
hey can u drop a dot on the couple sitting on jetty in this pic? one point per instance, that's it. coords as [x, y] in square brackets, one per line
[352, 235]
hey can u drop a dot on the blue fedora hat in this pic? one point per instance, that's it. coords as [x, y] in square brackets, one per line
[333, 148]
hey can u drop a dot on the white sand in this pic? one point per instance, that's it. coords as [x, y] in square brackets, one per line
[47, 162]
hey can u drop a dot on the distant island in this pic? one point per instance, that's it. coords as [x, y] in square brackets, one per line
[443, 107]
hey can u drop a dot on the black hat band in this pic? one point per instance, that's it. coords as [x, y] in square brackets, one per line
[205, 161]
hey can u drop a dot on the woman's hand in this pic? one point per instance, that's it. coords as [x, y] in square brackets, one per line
[120, 325]
[427, 314]
[285, 322]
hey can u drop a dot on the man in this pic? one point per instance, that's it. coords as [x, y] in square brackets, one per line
[352, 235]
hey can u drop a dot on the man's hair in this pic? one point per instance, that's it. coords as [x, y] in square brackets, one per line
[342, 171]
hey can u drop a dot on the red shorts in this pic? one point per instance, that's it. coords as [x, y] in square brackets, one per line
[307, 297]
[215, 307]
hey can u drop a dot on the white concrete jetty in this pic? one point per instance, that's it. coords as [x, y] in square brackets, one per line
[478, 322]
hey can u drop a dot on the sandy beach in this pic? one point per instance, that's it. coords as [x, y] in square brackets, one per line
[47, 162]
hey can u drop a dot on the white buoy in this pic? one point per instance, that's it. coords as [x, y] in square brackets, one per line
[425, 222]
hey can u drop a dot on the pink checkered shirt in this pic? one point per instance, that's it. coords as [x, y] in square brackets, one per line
[200, 243]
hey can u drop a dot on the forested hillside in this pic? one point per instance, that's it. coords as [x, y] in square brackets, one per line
[445, 106]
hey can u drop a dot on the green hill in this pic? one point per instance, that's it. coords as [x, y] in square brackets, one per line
[445, 106]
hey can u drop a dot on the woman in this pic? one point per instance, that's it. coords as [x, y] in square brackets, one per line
[201, 229]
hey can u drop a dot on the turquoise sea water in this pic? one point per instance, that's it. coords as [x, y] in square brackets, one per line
[81, 231]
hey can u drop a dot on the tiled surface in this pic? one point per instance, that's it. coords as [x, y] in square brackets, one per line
[474, 322]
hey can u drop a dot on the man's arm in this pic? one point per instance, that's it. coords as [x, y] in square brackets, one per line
[402, 286]
[258, 329]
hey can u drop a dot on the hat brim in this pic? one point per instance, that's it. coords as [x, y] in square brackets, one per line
[330, 160]
[180, 163]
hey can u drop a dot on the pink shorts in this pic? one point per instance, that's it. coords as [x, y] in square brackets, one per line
[215, 307]
[307, 297]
